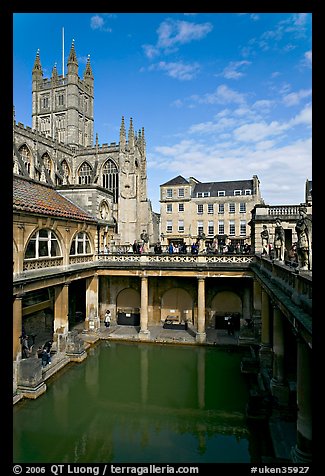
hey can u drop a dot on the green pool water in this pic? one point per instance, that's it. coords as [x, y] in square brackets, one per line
[140, 403]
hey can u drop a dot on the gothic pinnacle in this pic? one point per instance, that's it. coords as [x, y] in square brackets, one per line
[131, 134]
[122, 135]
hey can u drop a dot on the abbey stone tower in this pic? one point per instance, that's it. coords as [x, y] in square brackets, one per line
[108, 180]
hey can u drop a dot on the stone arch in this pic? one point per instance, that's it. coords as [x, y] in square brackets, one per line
[128, 298]
[177, 302]
[128, 304]
[226, 303]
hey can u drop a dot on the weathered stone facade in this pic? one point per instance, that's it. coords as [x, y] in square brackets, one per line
[108, 180]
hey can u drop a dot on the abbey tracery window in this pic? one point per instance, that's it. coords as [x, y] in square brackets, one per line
[84, 174]
[66, 170]
[43, 244]
[110, 178]
[47, 163]
[80, 244]
[26, 157]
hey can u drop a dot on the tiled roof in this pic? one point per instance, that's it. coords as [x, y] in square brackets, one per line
[179, 180]
[34, 197]
[227, 187]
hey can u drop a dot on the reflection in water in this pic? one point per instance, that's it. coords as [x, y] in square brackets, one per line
[143, 403]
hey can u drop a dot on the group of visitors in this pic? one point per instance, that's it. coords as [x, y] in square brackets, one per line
[298, 253]
[43, 352]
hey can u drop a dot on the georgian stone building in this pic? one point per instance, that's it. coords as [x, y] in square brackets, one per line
[219, 210]
[110, 180]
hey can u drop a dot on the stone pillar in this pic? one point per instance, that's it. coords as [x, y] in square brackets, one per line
[104, 300]
[278, 387]
[92, 321]
[144, 333]
[30, 381]
[265, 349]
[302, 452]
[17, 325]
[201, 335]
[61, 317]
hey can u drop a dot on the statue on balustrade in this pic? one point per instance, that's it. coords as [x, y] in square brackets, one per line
[304, 243]
[265, 240]
[279, 240]
[145, 241]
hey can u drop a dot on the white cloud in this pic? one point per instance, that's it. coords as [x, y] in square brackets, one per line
[180, 70]
[293, 99]
[279, 169]
[222, 95]
[308, 56]
[173, 33]
[256, 132]
[304, 117]
[98, 23]
[231, 71]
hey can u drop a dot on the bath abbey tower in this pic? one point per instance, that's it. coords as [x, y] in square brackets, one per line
[108, 181]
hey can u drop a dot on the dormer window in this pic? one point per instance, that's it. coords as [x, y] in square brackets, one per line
[248, 192]
[221, 193]
[237, 193]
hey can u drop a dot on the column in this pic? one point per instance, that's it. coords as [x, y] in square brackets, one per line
[92, 321]
[61, 317]
[17, 325]
[144, 333]
[278, 387]
[302, 452]
[265, 349]
[201, 335]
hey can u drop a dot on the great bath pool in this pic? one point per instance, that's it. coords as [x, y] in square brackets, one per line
[140, 403]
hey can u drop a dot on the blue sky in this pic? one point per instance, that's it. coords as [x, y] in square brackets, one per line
[221, 96]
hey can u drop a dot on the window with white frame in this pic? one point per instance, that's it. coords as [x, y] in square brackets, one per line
[181, 207]
[169, 226]
[232, 229]
[242, 227]
[221, 208]
[43, 244]
[237, 192]
[242, 207]
[232, 208]
[199, 194]
[181, 192]
[199, 227]
[169, 193]
[210, 228]
[200, 209]
[169, 207]
[80, 244]
[221, 193]
[221, 227]
[210, 208]
[180, 226]
[206, 194]
[248, 192]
